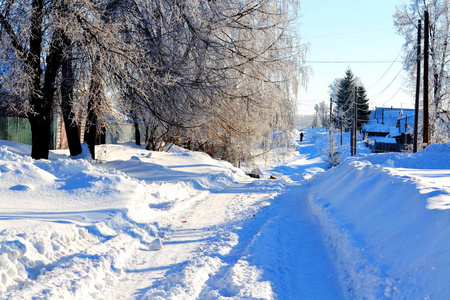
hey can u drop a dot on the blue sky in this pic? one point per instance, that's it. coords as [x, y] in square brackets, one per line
[352, 31]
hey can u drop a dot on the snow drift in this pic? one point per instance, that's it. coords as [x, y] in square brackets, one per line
[386, 222]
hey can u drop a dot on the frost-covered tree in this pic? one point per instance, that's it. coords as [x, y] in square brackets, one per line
[333, 88]
[37, 39]
[345, 98]
[216, 74]
[220, 75]
[321, 114]
[406, 19]
[363, 107]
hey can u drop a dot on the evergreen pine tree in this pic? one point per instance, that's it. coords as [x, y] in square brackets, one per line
[345, 99]
[363, 107]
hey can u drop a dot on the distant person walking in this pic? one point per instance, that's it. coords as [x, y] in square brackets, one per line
[301, 137]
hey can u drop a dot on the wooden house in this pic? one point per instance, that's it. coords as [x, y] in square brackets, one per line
[389, 129]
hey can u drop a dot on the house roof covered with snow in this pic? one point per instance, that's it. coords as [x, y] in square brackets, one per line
[392, 121]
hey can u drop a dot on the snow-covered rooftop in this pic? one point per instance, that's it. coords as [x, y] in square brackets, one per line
[394, 121]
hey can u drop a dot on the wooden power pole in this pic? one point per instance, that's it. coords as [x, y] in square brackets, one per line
[354, 124]
[426, 71]
[331, 112]
[351, 136]
[416, 107]
[331, 116]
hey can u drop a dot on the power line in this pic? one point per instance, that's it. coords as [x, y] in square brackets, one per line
[384, 90]
[401, 50]
[392, 96]
[345, 33]
[350, 61]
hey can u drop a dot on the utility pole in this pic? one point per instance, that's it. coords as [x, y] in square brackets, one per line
[426, 115]
[416, 107]
[355, 123]
[351, 136]
[353, 129]
[331, 116]
[406, 129]
[331, 144]
[331, 111]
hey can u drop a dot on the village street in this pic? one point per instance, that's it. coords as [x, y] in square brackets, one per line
[252, 239]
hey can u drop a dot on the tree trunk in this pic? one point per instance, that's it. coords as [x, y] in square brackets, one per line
[151, 140]
[101, 137]
[40, 128]
[73, 135]
[40, 135]
[90, 135]
[67, 84]
[95, 99]
[137, 131]
[42, 100]
[146, 135]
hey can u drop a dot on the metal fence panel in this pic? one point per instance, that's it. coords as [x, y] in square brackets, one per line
[19, 130]
[15, 130]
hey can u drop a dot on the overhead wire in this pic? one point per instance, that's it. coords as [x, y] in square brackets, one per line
[382, 76]
[392, 62]
[392, 96]
[345, 33]
[385, 89]
[350, 61]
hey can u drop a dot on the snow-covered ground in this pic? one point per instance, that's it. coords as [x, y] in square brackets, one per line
[386, 223]
[180, 225]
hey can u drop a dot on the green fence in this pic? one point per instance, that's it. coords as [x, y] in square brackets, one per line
[15, 130]
[18, 130]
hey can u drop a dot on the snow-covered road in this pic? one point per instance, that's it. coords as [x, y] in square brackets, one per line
[252, 239]
[181, 225]
[158, 225]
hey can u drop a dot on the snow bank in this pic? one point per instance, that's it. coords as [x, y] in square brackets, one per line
[68, 226]
[386, 222]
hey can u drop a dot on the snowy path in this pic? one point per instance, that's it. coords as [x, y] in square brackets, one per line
[79, 230]
[304, 271]
[247, 240]
[280, 246]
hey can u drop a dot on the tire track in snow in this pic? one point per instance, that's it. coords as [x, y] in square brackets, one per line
[215, 221]
[281, 248]
[264, 246]
[304, 270]
[194, 242]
